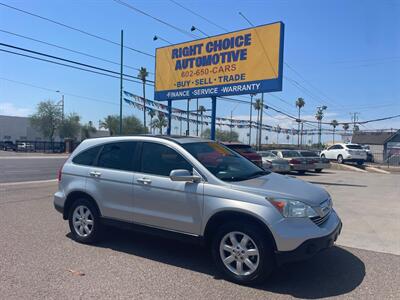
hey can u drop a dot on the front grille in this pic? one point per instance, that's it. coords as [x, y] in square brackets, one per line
[320, 220]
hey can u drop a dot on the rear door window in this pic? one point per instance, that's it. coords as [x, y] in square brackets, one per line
[87, 157]
[118, 156]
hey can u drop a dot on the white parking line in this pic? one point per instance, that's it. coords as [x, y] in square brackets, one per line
[26, 182]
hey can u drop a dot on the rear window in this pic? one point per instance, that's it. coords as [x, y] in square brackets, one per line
[308, 154]
[87, 157]
[290, 154]
[117, 156]
[353, 147]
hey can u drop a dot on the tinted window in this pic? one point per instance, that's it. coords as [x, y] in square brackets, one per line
[158, 159]
[117, 156]
[353, 146]
[290, 153]
[86, 157]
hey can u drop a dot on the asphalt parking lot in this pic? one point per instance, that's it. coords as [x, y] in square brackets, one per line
[38, 259]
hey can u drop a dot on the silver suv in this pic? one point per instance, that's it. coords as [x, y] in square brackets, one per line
[251, 219]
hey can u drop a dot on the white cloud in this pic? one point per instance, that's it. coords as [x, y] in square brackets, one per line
[9, 109]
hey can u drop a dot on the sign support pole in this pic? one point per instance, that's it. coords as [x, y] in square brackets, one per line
[169, 116]
[213, 116]
[121, 82]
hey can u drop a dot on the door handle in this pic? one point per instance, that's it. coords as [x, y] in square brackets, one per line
[144, 180]
[95, 174]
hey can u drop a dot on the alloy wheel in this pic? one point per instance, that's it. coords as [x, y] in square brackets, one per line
[239, 253]
[83, 221]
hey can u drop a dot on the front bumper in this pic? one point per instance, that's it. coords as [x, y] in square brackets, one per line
[309, 248]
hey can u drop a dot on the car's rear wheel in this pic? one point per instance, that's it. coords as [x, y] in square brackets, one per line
[84, 221]
[302, 172]
[340, 159]
[243, 253]
[318, 170]
[360, 162]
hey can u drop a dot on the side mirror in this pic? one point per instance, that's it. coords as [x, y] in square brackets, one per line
[183, 175]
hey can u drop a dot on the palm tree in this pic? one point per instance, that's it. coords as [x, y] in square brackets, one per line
[160, 122]
[299, 104]
[110, 123]
[202, 110]
[258, 107]
[142, 76]
[334, 124]
[152, 113]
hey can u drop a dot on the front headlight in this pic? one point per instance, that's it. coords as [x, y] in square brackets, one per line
[293, 208]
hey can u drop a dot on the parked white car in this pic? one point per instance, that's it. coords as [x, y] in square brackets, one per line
[345, 153]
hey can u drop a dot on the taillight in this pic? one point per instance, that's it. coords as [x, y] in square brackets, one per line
[294, 161]
[60, 171]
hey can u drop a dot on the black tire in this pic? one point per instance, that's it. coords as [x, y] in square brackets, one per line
[318, 170]
[301, 172]
[360, 162]
[266, 258]
[323, 155]
[340, 159]
[96, 228]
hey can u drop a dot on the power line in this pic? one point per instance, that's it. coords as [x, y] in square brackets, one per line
[68, 49]
[66, 65]
[155, 18]
[69, 61]
[200, 16]
[75, 29]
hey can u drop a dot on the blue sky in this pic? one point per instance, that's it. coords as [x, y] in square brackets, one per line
[346, 52]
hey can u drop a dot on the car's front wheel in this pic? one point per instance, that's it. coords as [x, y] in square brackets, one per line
[84, 221]
[243, 253]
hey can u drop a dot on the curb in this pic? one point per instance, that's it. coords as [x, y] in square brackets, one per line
[376, 170]
[345, 167]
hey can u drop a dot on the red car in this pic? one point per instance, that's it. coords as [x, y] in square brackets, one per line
[246, 151]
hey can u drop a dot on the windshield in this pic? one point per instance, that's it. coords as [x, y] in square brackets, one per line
[308, 154]
[224, 163]
[268, 154]
[290, 153]
[353, 147]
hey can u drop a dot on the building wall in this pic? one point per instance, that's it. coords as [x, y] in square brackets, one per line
[17, 128]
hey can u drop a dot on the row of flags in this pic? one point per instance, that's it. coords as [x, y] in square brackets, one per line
[181, 115]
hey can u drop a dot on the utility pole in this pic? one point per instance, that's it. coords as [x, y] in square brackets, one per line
[121, 82]
[319, 115]
[62, 106]
[354, 119]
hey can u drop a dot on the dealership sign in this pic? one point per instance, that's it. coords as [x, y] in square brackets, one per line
[240, 62]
